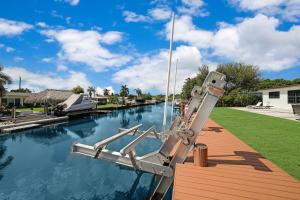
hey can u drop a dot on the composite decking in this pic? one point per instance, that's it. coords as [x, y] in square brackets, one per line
[235, 171]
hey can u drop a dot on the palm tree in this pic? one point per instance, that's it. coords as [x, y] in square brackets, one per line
[106, 92]
[91, 90]
[138, 92]
[124, 92]
[4, 79]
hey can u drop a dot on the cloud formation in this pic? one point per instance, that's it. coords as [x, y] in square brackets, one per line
[85, 47]
[254, 40]
[41, 81]
[12, 28]
[150, 71]
[288, 10]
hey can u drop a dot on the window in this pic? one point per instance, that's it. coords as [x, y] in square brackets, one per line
[4, 101]
[17, 102]
[294, 96]
[274, 95]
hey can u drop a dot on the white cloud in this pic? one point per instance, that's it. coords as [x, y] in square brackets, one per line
[61, 68]
[186, 31]
[12, 28]
[133, 17]
[42, 24]
[85, 47]
[192, 7]
[48, 59]
[71, 2]
[150, 71]
[41, 81]
[287, 9]
[257, 41]
[6, 48]
[99, 90]
[162, 13]
[18, 59]
[254, 40]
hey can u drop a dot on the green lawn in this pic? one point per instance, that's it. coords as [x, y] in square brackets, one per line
[107, 106]
[35, 109]
[275, 138]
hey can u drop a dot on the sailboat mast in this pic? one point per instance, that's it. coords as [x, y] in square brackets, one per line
[168, 75]
[174, 87]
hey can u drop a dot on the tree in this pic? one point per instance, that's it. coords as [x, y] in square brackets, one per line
[124, 92]
[78, 90]
[138, 92]
[22, 90]
[191, 82]
[239, 75]
[4, 79]
[106, 92]
[91, 90]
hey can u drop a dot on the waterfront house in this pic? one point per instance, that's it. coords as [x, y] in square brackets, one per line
[14, 99]
[48, 96]
[282, 97]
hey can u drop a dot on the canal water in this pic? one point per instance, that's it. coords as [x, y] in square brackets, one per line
[37, 163]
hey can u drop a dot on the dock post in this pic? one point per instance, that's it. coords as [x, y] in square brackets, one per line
[200, 155]
[182, 109]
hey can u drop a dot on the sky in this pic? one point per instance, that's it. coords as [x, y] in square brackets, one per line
[59, 44]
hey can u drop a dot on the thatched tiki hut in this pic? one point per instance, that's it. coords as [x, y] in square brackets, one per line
[48, 97]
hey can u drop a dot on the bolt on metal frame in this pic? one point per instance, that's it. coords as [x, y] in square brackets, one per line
[178, 140]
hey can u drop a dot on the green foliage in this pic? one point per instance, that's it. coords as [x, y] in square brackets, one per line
[91, 90]
[138, 92]
[275, 138]
[4, 80]
[78, 90]
[147, 96]
[241, 80]
[239, 75]
[124, 92]
[106, 92]
[113, 99]
[191, 82]
[22, 90]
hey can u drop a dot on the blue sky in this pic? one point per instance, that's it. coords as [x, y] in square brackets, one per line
[63, 43]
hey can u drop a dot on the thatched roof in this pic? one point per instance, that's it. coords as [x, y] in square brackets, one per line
[16, 94]
[49, 96]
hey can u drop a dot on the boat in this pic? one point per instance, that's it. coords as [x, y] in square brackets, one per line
[75, 103]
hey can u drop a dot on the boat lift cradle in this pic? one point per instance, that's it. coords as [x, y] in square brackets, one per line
[177, 141]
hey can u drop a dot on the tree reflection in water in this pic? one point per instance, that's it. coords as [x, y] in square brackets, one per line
[4, 161]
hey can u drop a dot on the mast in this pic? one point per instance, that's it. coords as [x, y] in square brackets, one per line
[168, 75]
[172, 111]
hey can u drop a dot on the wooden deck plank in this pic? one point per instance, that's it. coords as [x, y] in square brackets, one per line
[236, 171]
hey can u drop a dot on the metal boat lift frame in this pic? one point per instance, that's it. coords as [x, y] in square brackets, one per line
[177, 141]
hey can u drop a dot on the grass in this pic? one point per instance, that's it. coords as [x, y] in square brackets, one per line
[35, 109]
[275, 138]
[107, 106]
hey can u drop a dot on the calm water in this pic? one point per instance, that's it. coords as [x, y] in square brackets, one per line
[37, 164]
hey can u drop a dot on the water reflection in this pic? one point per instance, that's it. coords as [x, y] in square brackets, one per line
[125, 121]
[82, 128]
[4, 161]
[37, 164]
[47, 135]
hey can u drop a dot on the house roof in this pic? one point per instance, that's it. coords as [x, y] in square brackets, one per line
[16, 94]
[290, 86]
[50, 96]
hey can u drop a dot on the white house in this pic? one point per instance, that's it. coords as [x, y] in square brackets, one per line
[14, 98]
[282, 97]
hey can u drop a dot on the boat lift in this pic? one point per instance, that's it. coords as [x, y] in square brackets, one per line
[177, 141]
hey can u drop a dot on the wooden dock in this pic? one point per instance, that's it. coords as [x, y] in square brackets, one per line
[235, 171]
